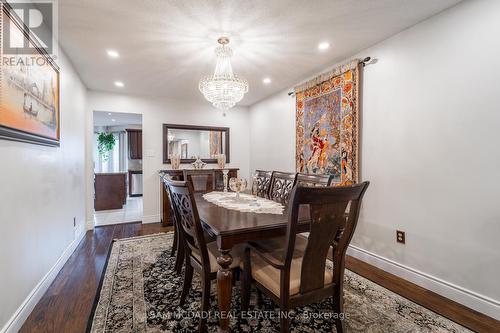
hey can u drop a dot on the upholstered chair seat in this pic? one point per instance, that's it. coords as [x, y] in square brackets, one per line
[269, 277]
[301, 242]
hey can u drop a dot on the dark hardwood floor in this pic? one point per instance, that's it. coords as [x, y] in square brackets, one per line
[67, 304]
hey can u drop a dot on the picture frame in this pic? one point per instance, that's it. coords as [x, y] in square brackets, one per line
[30, 90]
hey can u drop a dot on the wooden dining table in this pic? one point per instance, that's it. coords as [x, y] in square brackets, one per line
[231, 227]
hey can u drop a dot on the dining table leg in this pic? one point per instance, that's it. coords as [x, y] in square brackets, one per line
[224, 287]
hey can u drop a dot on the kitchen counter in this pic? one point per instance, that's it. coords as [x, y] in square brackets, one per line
[110, 190]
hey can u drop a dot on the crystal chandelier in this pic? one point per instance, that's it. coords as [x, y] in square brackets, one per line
[223, 89]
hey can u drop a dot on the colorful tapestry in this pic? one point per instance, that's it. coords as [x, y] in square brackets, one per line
[327, 124]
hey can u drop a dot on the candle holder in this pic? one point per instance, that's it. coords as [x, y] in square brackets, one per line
[225, 178]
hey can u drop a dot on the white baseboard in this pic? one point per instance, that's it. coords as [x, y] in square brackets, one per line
[19, 317]
[119, 221]
[471, 299]
[151, 219]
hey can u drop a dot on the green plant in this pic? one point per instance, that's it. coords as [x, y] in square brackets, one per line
[105, 144]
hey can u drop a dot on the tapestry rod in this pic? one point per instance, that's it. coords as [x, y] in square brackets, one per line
[363, 62]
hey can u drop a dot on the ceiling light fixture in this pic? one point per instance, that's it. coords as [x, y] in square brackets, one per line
[113, 54]
[223, 89]
[266, 80]
[323, 46]
[119, 84]
[113, 120]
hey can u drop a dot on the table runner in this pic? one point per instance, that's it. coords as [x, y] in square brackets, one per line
[246, 203]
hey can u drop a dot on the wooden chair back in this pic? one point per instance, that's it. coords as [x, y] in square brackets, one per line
[202, 180]
[334, 213]
[166, 178]
[261, 181]
[281, 186]
[181, 194]
[304, 179]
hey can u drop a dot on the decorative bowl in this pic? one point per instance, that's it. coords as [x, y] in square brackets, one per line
[198, 164]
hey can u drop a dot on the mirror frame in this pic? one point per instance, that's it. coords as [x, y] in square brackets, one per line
[166, 127]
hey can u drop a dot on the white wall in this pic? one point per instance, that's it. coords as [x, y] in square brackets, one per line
[272, 134]
[429, 146]
[42, 190]
[155, 113]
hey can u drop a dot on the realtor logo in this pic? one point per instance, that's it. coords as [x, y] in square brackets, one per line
[37, 18]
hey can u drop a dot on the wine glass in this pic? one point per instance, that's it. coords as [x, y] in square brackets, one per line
[237, 185]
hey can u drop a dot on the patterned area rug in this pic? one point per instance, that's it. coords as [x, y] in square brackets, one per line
[140, 291]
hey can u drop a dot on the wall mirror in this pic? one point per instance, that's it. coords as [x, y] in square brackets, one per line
[189, 142]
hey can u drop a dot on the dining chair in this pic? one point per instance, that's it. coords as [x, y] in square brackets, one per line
[305, 179]
[178, 244]
[281, 186]
[299, 273]
[202, 180]
[260, 186]
[200, 255]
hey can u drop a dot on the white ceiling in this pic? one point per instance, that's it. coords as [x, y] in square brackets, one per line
[120, 119]
[166, 46]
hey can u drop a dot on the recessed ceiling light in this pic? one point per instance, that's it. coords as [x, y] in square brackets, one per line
[266, 80]
[119, 84]
[323, 46]
[113, 54]
[113, 120]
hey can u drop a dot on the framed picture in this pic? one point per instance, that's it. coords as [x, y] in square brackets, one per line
[29, 89]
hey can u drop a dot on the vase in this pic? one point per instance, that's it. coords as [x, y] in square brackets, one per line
[221, 161]
[175, 161]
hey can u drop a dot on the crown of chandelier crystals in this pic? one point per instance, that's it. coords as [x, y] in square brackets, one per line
[223, 89]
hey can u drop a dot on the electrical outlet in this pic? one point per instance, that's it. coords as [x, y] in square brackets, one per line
[400, 236]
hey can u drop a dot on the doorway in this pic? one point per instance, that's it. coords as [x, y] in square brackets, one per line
[117, 157]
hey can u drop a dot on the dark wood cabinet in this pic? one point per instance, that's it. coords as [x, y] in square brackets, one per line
[110, 190]
[165, 212]
[134, 144]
